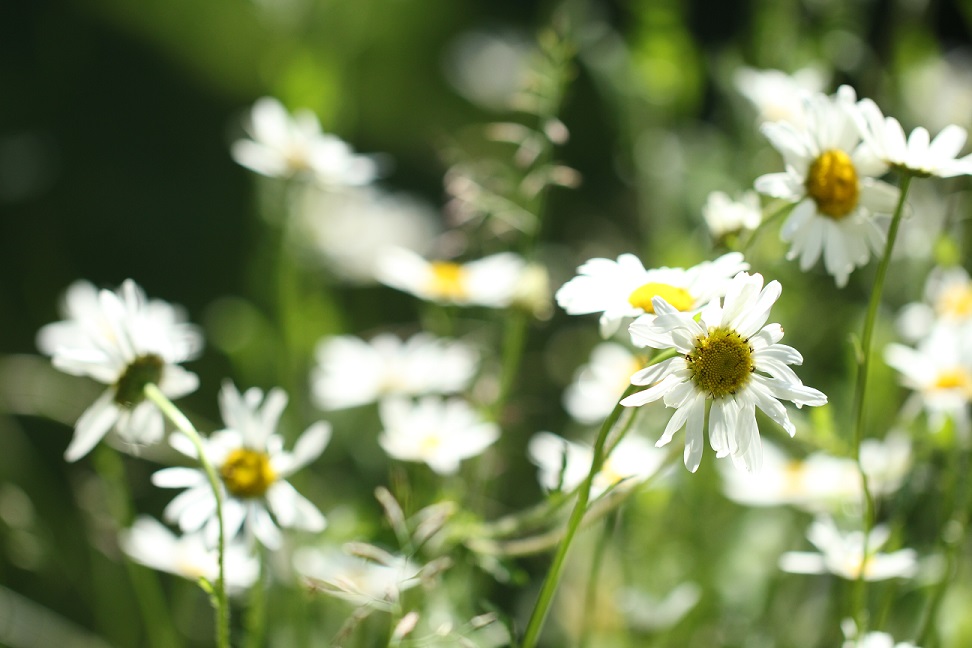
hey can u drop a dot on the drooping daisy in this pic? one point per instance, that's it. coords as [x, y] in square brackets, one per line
[599, 384]
[152, 544]
[729, 357]
[947, 300]
[724, 216]
[624, 288]
[351, 371]
[253, 466]
[842, 554]
[376, 582]
[491, 281]
[564, 464]
[831, 178]
[282, 145]
[918, 154]
[126, 341]
[779, 96]
[438, 432]
[939, 371]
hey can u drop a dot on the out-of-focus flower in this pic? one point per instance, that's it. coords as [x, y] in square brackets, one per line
[918, 154]
[253, 466]
[939, 371]
[624, 288]
[869, 640]
[723, 215]
[842, 554]
[947, 300]
[282, 145]
[440, 433]
[886, 462]
[124, 340]
[491, 281]
[727, 356]
[599, 384]
[650, 613]
[564, 464]
[937, 91]
[488, 67]
[347, 230]
[152, 544]
[779, 96]
[351, 371]
[377, 581]
[832, 181]
[817, 483]
[533, 291]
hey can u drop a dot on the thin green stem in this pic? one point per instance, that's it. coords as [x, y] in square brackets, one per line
[220, 600]
[776, 211]
[859, 598]
[590, 595]
[552, 579]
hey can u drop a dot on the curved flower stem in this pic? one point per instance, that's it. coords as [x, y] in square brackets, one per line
[859, 599]
[550, 583]
[220, 600]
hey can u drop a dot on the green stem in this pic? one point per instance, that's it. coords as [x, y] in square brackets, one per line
[860, 587]
[148, 590]
[220, 600]
[776, 212]
[552, 579]
[590, 596]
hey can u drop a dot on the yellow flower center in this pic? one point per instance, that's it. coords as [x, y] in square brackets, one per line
[130, 386]
[679, 298]
[721, 362]
[448, 281]
[954, 378]
[956, 302]
[832, 183]
[793, 477]
[430, 443]
[247, 473]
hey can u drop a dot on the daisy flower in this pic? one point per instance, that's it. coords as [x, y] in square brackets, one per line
[492, 281]
[564, 464]
[724, 216]
[126, 341]
[599, 384]
[249, 457]
[947, 300]
[440, 433]
[282, 145]
[832, 181]
[726, 356]
[152, 544]
[779, 96]
[624, 288]
[939, 371]
[919, 154]
[842, 554]
[351, 371]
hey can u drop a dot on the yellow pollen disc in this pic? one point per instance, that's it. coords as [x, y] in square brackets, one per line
[956, 302]
[721, 362]
[679, 298]
[247, 473]
[448, 280]
[431, 443]
[954, 379]
[832, 183]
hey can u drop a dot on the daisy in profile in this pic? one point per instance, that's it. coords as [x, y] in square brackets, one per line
[491, 281]
[779, 96]
[599, 384]
[351, 371]
[438, 432]
[725, 216]
[624, 288]
[939, 371]
[564, 464]
[126, 341]
[842, 554]
[918, 154]
[832, 181]
[152, 544]
[249, 457]
[281, 146]
[728, 355]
